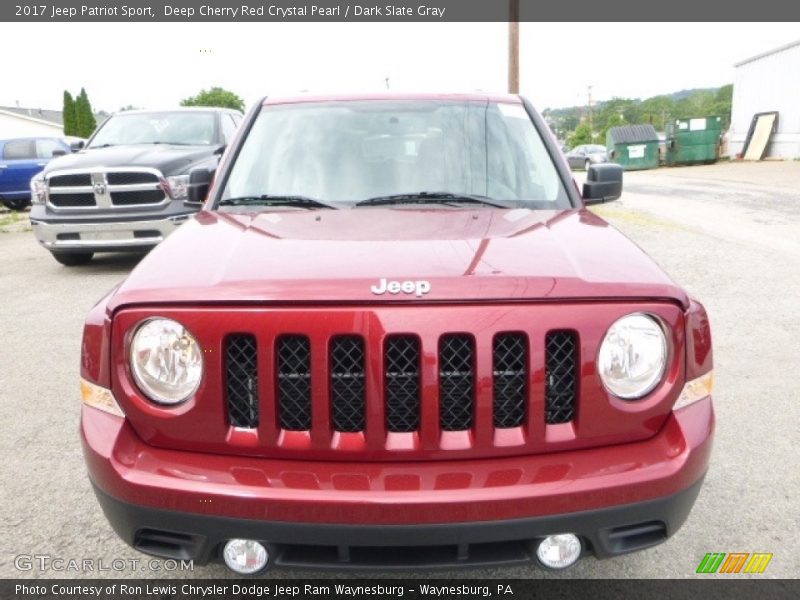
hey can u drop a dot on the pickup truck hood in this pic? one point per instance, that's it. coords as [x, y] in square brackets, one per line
[169, 159]
[327, 256]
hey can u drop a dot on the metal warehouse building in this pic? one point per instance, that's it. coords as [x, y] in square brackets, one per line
[764, 83]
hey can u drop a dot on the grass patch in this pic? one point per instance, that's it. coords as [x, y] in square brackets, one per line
[12, 218]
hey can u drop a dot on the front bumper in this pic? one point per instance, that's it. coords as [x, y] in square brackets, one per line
[103, 232]
[618, 499]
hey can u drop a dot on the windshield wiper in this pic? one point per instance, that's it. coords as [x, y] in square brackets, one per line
[431, 198]
[275, 200]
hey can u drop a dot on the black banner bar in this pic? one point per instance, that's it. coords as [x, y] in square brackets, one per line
[713, 588]
[395, 10]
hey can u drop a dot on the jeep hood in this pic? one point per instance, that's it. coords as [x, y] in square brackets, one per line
[169, 159]
[330, 256]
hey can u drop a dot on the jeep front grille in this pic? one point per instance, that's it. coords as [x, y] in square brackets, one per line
[415, 381]
[402, 387]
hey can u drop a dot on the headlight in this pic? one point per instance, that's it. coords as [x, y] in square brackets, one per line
[166, 361]
[633, 356]
[38, 189]
[178, 187]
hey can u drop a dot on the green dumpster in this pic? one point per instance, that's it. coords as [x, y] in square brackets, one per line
[693, 141]
[633, 146]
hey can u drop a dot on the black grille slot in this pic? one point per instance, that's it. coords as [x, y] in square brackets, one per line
[241, 362]
[347, 383]
[509, 369]
[561, 376]
[130, 178]
[139, 197]
[456, 359]
[294, 382]
[402, 374]
[68, 200]
[70, 180]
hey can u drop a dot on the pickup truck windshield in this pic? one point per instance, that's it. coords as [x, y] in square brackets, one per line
[179, 128]
[377, 152]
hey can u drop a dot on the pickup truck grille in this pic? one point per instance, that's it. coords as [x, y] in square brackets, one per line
[105, 189]
[402, 391]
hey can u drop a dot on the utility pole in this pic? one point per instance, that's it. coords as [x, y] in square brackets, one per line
[513, 46]
[591, 129]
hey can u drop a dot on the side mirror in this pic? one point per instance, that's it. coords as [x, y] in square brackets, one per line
[603, 183]
[57, 153]
[75, 146]
[199, 182]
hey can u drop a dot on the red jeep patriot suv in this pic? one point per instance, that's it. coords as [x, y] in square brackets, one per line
[395, 337]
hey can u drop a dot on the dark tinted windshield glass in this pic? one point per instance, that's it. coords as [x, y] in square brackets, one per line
[185, 128]
[347, 152]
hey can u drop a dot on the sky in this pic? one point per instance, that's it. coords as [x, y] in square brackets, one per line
[157, 65]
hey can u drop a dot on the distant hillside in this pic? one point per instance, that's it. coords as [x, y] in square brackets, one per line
[572, 123]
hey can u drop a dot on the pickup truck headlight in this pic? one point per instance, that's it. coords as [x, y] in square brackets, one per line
[38, 189]
[178, 187]
[633, 356]
[166, 361]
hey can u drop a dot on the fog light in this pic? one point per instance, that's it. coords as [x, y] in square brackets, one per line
[245, 557]
[559, 551]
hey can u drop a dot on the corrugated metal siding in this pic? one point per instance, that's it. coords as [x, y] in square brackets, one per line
[633, 134]
[768, 83]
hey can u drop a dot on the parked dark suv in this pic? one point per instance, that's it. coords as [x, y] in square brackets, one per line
[126, 190]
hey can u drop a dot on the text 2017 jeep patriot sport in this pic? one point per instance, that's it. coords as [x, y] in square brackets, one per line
[394, 336]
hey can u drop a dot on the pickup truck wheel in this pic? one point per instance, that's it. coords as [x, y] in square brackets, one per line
[15, 204]
[73, 259]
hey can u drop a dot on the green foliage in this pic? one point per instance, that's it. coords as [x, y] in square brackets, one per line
[657, 111]
[68, 112]
[216, 96]
[85, 123]
[581, 135]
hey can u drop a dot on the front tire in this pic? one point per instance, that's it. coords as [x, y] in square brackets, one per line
[17, 204]
[73, 259]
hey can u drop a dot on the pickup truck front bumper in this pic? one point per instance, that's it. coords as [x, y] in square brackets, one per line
[104, 233]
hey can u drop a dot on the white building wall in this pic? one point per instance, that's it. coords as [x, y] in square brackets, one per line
[769, 82]
[14, 126]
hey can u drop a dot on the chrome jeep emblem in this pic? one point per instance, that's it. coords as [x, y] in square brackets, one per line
[419, 287]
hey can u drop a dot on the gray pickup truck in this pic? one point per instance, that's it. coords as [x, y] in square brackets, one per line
[126, 189]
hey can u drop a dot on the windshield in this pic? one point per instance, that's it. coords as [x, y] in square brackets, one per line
[182, 128]
[344, 153]
[595, 149]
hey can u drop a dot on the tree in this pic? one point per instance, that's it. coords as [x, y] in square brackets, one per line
[581, 135]
[216, 96]
[84, 117]
[68, 112]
